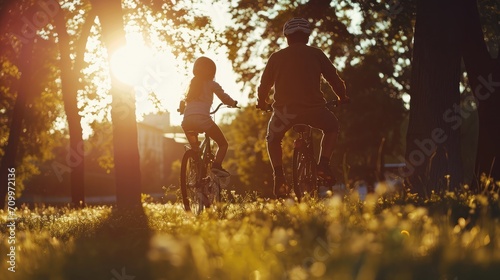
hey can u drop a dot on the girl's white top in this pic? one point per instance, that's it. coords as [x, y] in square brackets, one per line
[202, 104]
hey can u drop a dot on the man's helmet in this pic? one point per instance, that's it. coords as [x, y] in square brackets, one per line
[296, 24]
[204, 67]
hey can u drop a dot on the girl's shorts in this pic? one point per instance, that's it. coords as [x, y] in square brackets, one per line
[198, 123]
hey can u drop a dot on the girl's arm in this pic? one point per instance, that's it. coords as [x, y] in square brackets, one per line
[224, 97]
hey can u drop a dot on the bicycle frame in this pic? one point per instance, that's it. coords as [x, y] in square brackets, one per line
[199, 188]
[304, 141]
[305, 178]
[204, 149]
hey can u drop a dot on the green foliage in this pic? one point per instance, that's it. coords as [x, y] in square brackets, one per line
[247, 139]
[43, 107]
[490, 15]
[189, 32]
[373, 115]
[151, 173]
[386, 236]
[9, 74]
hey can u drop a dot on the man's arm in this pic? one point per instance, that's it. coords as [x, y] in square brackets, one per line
[332, 77]
[266, 83]
[337, 84]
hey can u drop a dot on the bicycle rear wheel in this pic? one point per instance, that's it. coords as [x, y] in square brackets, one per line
[191, 183]
[304, 173]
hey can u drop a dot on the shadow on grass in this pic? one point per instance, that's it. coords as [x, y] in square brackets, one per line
[117, 250]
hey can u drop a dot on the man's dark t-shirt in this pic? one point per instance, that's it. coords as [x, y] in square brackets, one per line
[295, 72]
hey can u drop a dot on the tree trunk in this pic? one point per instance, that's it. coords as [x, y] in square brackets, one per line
[488, 152]
[16, 126]
[69, 84]
[484, 77]
[125, 143]
[433, 139]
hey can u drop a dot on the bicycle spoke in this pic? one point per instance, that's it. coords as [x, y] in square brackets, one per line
[304, 173]
[213, 189]
[192, 196]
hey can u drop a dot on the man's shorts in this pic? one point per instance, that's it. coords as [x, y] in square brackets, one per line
[282, 120]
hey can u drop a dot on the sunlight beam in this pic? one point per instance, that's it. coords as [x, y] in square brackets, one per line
[129, 63]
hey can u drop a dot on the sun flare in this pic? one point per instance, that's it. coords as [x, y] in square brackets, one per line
[154, 75]
[129, 62]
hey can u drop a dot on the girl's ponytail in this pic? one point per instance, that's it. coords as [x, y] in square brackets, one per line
[195, 89]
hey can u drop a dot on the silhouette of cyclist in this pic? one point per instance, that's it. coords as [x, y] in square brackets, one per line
[295, 72]
[198, 100]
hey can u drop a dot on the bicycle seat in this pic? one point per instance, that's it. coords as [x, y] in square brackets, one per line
[300, 128]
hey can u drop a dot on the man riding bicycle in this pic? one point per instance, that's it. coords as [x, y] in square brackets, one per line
[295, 72]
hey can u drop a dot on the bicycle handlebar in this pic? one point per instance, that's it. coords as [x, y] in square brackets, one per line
[220, 105]
[330, 104]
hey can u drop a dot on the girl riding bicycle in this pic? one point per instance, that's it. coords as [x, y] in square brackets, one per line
[198, 100]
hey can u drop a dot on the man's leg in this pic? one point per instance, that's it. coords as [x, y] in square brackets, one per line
[275, 132]
[278, 125]
[328, 123]
[275, 156]
[328, 143]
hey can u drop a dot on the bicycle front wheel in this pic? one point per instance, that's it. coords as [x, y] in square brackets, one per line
[304, 173]
[191, 185]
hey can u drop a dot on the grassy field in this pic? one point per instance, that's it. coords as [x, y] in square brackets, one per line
[452, 236]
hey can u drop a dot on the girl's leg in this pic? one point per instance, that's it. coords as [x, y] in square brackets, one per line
[216, 134]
